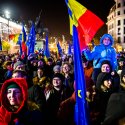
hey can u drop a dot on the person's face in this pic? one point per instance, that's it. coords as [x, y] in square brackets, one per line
[70, 60]
[34, 62]
[85, 64]
[20, 67]
[40, 73]
[56, 82]
[105, 68]
[106, 41]
[9, 66]
[40, 63]
[18, 75]
[14, 96]
[49, 63]
[121, 63]
[65, 68]
[107, 83]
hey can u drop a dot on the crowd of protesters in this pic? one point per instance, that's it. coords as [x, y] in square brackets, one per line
[41, 91]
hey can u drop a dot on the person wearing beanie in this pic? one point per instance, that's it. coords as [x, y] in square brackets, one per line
[14, 104]
[100, 84]
[19, 65]
[104, 88]
[102, 52]
[54, 96]
[121, 65]
[56, 69]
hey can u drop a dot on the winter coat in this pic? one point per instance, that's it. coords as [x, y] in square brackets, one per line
[22, 116]
[53, 103]
[36, 95]
[102, 52]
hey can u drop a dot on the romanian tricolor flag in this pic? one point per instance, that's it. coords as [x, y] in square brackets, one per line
[23, 45]
[87, 23]
[14, 37]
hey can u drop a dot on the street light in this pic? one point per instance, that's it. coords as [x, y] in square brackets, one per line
[7, 14]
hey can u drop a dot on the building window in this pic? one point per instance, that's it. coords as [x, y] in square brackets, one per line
[118, 13]
[124, 39]
[124, 30]
[119, 39]
[119, 31]
[124, 11]
[119, 5]
[119, 22]
[124, 22]
[124, 3]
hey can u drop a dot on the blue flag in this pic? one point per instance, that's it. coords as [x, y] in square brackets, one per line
[31, 40]
[20, 43]
[46, 51]
[81, 108]
[69, 50]
[59, 49]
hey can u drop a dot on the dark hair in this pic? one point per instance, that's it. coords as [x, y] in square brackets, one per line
[59, 75]
[107, 62]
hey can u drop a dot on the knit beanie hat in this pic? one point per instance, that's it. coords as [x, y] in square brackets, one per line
[12, 85]
[56, 68]
[115, 109]
[59, 75]
[121, 60]
[17, 64]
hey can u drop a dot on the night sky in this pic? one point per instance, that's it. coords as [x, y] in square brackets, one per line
[54, 12]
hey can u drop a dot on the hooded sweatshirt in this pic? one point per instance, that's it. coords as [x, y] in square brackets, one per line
[5, 113]
[102, 52]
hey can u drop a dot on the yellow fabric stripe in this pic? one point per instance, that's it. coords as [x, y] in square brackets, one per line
[77, 9]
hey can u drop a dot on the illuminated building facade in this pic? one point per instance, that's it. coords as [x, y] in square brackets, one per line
[116, 22]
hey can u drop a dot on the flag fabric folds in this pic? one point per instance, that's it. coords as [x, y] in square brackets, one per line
[23, 44]
[69, 50]
[81, 108]
[31, 40]
[87, 23]
[20, 42]
[47, 51]
[59, 50]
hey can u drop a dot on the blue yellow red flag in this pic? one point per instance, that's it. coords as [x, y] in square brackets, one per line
[87, 23]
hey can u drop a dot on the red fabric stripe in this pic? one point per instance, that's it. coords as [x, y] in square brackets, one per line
[88, 25]
[24, 47]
